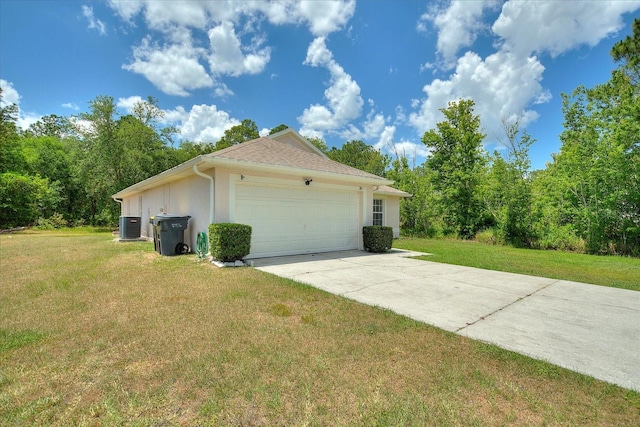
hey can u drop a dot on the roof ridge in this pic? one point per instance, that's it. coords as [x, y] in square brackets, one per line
[237, 146]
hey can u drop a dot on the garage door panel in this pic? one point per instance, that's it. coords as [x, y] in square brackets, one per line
[289, 220]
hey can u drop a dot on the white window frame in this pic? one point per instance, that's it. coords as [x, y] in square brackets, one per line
[378, 211]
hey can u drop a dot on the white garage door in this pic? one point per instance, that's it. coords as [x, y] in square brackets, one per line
[297, 220]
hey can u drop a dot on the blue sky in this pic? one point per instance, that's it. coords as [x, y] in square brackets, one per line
[376, 70]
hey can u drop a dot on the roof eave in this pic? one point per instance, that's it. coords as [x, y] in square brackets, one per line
[398, 193]
[186, 169]
[288, 170]
[183, 169]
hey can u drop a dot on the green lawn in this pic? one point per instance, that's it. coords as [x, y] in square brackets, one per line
[618, 272]
[95, 332]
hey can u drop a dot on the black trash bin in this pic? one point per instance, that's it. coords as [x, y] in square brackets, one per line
[130, 227]
[168, 234]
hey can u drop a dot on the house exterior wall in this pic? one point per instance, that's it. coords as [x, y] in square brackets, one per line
[392, 214]
[188, 196]
[191, 196]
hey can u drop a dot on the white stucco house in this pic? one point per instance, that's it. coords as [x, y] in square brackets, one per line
[294, 197]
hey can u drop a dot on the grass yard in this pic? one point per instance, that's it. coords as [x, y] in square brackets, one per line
[614, 271]
[95, 332]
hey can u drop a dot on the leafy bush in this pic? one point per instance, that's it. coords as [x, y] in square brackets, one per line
[54, 221]
[377, 238]
[489, 237]
[229, 242]
[24, 198]
[562, 238]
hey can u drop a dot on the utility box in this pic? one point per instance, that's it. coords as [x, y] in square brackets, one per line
[168, 234]
[130, 227]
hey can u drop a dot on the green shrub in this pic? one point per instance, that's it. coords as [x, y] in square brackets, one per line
[377, 238]
[229, 242]
[489, 237]
[54, 221]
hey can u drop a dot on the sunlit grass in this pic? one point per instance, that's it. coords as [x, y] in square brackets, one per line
[614, 271]
[108, 333]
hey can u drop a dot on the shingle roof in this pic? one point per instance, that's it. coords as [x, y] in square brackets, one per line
[270, 152]
[385, 189]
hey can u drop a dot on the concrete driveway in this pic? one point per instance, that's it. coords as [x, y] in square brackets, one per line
[590, 329]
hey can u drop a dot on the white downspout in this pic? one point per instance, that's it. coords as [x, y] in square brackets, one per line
[211, 191]
[119, 201]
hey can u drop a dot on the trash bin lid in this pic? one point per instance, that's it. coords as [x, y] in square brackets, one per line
[169, 217]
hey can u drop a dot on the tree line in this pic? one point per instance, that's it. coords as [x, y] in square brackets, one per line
[63, 170]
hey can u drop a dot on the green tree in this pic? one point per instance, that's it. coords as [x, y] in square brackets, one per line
[118, 151]
[599, 166]
[417, 213]
[52, 125]
[457, 160]
[101, 158]
[11, 157]
[627, 52]
[359, 155]
[23, 199]
[187, 150]
[318, 143]
[278, 128]
[507, 187]
[245, 131]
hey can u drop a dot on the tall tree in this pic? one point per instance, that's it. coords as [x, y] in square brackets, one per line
[245, 131]
[101, 158]
[417, 213]
[52, 125]
[11, 157]
[278, 128]
[508, 186]
[318, 143]
[23, 199]
[361, 156]
[457, 160]
[599, 166]
[627, 52]
[118, 151]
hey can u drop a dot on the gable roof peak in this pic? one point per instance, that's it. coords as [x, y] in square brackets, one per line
[289, 134]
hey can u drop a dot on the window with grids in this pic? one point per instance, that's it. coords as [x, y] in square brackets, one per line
[378, 212]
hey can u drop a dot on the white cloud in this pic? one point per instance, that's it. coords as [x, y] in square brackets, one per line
[508, 82]
[372, 127]
[325, 17]
[71, 105]
[127, 104]
[558, 26]
[411, 150]
[9, 94]
[127, 9]
[94, 24]
[458, 26]
[227, 56]
[203, 123]
[174, 65]
[501, 85]
[321, 17]
[387, 144]
[174, 69]
[386, 138]
[342, 95]
[221, 90]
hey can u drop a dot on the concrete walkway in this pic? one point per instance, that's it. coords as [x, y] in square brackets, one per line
[590, 329]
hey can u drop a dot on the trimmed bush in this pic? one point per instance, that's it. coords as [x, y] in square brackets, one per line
[229, 242]
[377, 238]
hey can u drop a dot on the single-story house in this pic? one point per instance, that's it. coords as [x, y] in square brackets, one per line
[294, 197]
